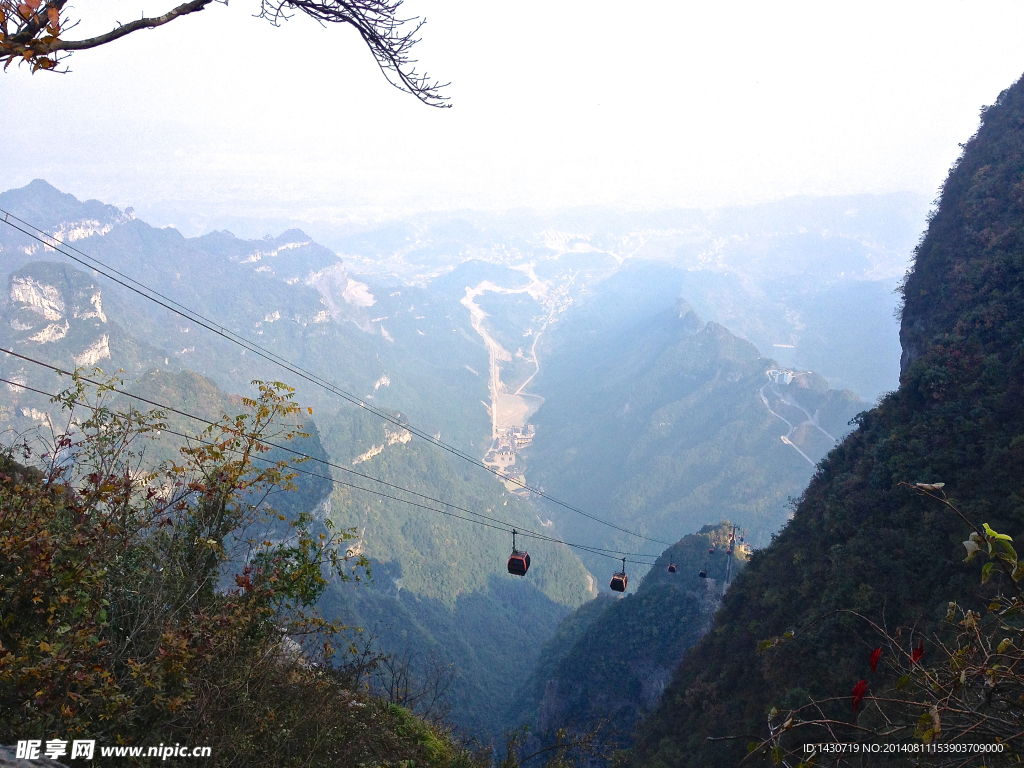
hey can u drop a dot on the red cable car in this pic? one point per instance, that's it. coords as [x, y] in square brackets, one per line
[619, 579]
[518, 562]
[711, 551]
[671, 567]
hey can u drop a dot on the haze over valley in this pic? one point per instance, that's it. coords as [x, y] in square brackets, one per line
[663, 371]
[625, 387]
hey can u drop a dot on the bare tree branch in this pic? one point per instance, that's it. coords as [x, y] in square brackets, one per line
[30, 30]
[132, 26]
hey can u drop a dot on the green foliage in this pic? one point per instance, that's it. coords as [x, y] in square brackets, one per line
[138, 606]
[857, 541]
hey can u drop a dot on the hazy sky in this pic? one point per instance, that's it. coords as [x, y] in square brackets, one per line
[556, 102]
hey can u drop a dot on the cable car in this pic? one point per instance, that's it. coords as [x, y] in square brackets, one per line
[711, 551]
[671, 567]
[518, 562]
[619, 579]
[703, 571]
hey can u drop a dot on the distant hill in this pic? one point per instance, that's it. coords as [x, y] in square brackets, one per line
[669, 423]
[857, 540]
[288, 293]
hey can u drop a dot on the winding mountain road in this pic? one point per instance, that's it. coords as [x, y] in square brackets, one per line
[773, 377]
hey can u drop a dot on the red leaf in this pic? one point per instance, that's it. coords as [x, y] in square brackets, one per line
[858, 693]
[875, 656]
[918, 652]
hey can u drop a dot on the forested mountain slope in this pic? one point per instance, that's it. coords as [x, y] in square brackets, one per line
[857, 540]
[669, 424]
[434, 576]
[394, 345]
[610, 660]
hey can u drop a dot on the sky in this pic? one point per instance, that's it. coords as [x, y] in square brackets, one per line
[556, 103]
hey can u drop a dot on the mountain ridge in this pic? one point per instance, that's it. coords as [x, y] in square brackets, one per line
[858, 541]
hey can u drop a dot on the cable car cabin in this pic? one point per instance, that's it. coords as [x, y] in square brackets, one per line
[672, 568]
[711, 551]
[519, 563]
[619, 579]
[703, 572]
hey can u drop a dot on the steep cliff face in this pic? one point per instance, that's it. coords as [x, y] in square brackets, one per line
[50, 304]
[857, 539]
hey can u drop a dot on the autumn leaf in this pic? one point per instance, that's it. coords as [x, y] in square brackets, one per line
[918, 653]
[858, 693]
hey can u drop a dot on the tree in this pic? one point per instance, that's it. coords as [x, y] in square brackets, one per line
[33, 32]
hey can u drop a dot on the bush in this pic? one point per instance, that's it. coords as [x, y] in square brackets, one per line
[173, 604]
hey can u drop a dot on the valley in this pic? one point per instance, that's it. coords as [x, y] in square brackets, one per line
[597, 364]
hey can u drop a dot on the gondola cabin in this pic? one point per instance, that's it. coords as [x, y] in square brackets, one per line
[703, 572]
[619, 579]
[711, 551]
[671, 567]
[519, 563]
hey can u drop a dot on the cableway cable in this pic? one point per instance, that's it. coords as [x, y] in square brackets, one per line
[501, 524]
[306, 456]
[90, 262]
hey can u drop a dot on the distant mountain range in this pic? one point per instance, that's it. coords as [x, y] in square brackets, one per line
[649, 411]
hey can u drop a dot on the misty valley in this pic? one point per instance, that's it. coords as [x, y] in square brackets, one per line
[565, 488]
[680, 374]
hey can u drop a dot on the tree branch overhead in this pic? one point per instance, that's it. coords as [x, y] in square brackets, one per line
[31, 32]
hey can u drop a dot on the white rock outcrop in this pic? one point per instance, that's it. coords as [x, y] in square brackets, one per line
[95, 352]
